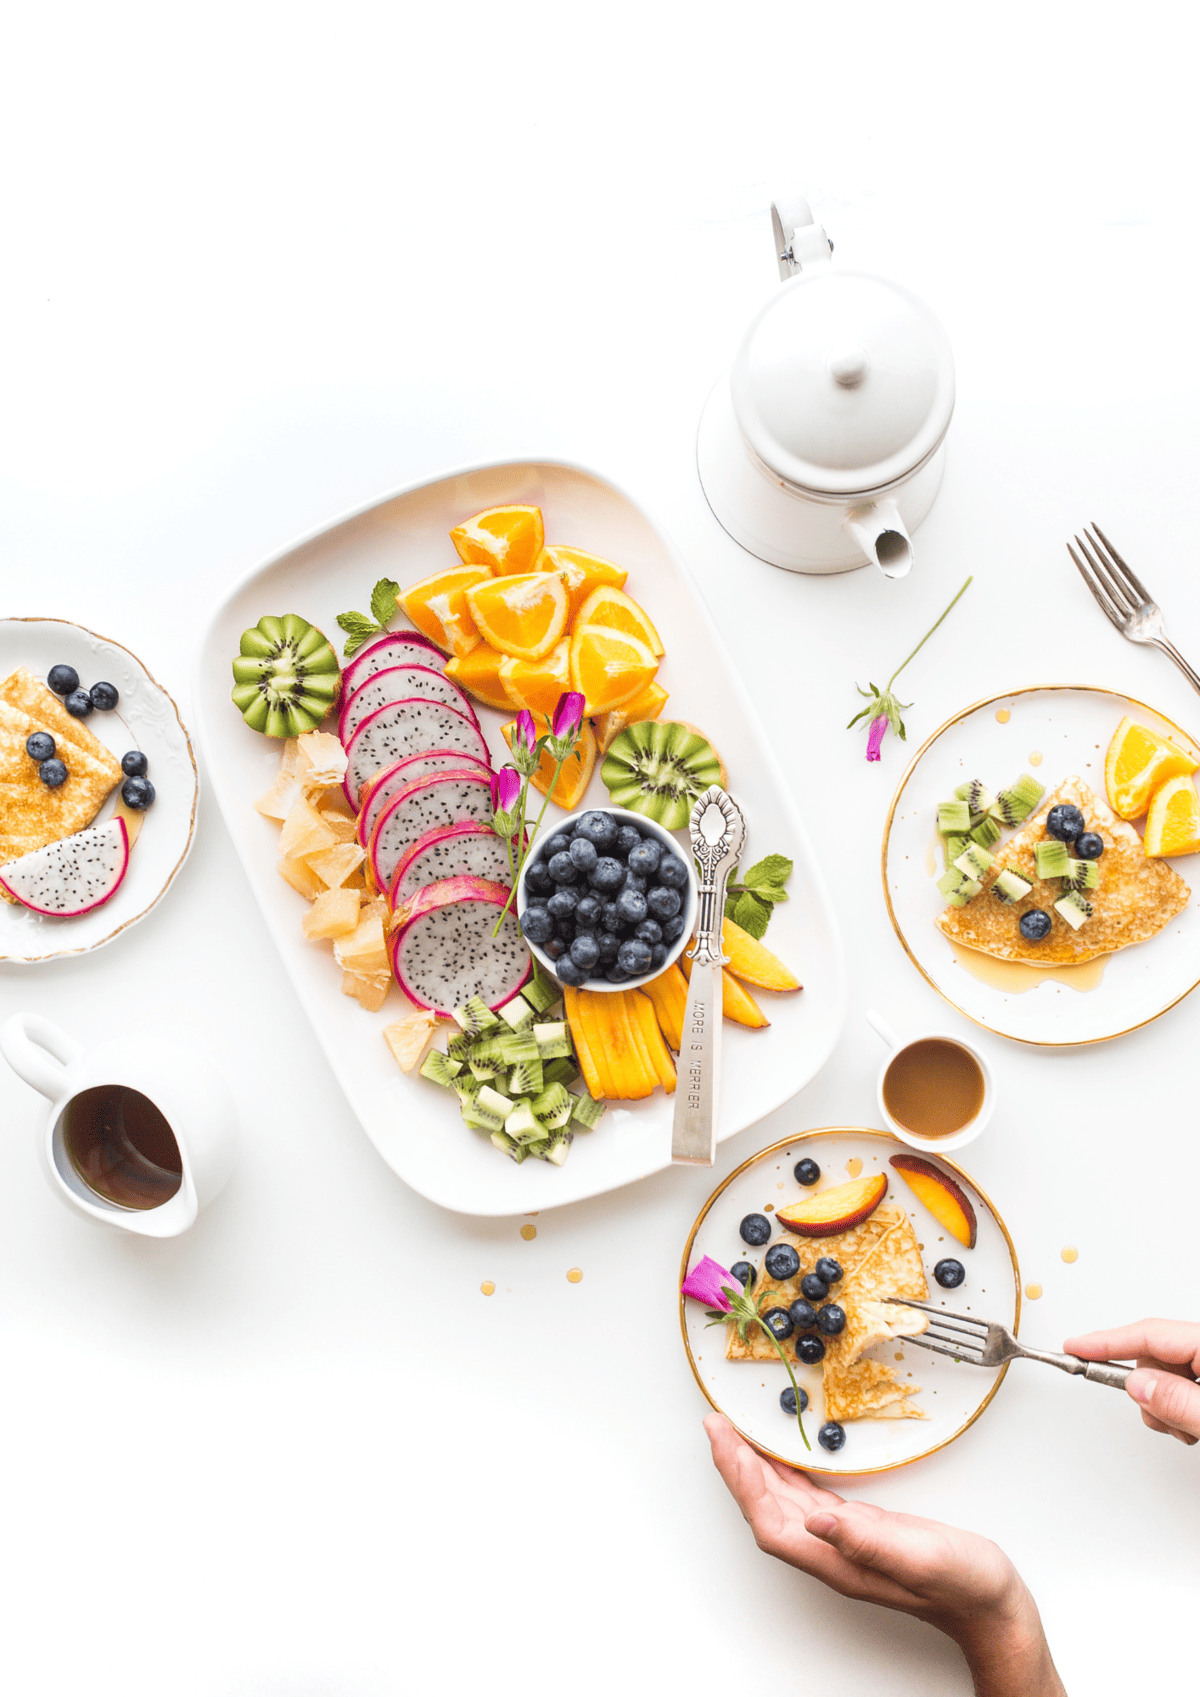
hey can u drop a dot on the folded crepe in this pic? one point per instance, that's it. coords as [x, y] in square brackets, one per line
[30, 814]
[1135, 898]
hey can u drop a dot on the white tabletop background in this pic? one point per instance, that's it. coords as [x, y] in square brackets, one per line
[264, 262]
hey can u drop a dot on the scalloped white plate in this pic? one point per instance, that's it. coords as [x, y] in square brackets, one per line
[416, 1127]
[145, 718]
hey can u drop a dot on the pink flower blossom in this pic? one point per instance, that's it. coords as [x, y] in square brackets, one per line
[875, 736]
[568, 716]
[506, 789]
[704, 1284]
[525, 732]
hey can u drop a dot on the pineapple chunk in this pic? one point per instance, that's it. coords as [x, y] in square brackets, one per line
[341, 824]
[300, 875]
[407, 1038]
[333, 914]
[334, 865]
[320, 761]
[364, 950]
[304, 831]
[369, 988]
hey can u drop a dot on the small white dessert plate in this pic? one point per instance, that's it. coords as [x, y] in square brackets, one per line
[1053, 732]
[145, 718]
[953, 1394]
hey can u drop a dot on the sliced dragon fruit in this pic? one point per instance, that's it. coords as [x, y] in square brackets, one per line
[408, 727]
[399, 683]
[443, 951]
[427, 804]
[456, 851]
[397, 648]
[74, 874]
[388, 783]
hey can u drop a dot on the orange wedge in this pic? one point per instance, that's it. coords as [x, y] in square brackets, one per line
[479, 673]
[615, 610]
[1137, 762]
[646, 705]
[504, 539]
[580, 572]
[1173, 823]
[575, 776]
[609, 668]
[523, 615]
[438, 607]
[537, 684]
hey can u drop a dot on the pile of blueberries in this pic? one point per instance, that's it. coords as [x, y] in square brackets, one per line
[137, 791]
[604, 901]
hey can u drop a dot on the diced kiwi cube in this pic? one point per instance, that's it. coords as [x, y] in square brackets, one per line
[525, 1079]
[559, 1149]
[586, 1111]
[974, 861]
[522, 1125]
[552, 1108]
[458, 1048]
[479, 1120]
[1073, 909]
[509, 1146]
[1084, 874]
[490, 1101]
[1052, 859]
[1010, 886]
[475, 1016]
[558, 1072]
[1018, 801]
[481, 1071]
[952, 847]
[553, 1040]
[953, 818]
[986, 832]
[440, 1069]
[541, 993]
[976, 795]
[517, 1013]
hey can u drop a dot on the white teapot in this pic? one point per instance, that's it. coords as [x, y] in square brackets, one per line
[823, 447]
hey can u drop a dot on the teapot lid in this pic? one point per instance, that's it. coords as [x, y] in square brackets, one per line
[844, 383]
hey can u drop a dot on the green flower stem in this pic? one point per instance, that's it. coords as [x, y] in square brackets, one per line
[524, 851]
[927, 635]
[791, 1376]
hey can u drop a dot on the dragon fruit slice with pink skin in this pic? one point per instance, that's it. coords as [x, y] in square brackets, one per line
[397, 648]
[465, 850]
[427, 804]
[74, 874]
[403, 728]
[399, 683]
[386, 785]
[443, 951]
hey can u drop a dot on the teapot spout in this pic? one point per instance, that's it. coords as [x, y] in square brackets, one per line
[879, 531]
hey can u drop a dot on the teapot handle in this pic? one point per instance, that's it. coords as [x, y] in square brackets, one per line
[800, 242]
[39, 1052]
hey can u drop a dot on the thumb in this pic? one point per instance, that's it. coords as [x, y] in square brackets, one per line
[857, 1536]
[1169, 1398]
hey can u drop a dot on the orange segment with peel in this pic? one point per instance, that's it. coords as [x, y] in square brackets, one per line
[648, 705]
[1137, 763]
[615, 610]
[479, 673]
[504, 539]
[1173, 822]
[580, 572]
[609, 667]
[945, 1199]
[837, 1209]
[438, 607]
[537, 684]
[524, 615]
[577, 770]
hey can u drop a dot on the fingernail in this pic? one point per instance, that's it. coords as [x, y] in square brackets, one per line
[1141, 1386]
[820, 1525]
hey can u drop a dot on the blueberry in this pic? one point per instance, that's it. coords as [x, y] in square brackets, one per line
[672, 872]
[814, 1287]
[628, 838]
[610, 918]
[616, 974]
[63, 680]
[649, 931]
[755, 1230]
[39, 746]
[672, 929]
[1064, 822]
[949, 1273]
[781, 1261]
[134, 764]
[828, 1269]
[537, 923]
[589, 911]
[138, 793]
[565, 928]
[778, 1322]
[563, 869]
[658, 956]
[806, 1171]
[645, 857]
[787, 1400]
[560, 843]
[634, 958]
[631, 907]
[804, 1315]
[609, 947]
[1089, 845]
[583, 853]
[810, 1350]
[105, 697]
[78, 704]
[537, 878]
[554, 949]
[607, 874]
[831, 1319]
[599, 828]
[585, 950]
[631, 881]
[744, 1273]
[562, 904]
[831, 1436]
[52, 773]
[566, 970]
[662, 902]
[1035, 924]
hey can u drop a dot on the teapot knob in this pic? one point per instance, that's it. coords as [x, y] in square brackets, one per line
[849, 366]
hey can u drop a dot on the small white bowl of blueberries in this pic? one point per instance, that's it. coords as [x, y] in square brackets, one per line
[608, 901]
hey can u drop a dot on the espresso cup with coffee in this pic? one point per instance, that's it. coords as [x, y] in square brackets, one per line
[138, 1135]
[936, 1090]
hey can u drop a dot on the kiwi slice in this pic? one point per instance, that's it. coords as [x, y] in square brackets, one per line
[286, 677]
[659, 769]
[1010, 886]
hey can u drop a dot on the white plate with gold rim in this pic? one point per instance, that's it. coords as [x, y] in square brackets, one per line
[414, 1125]
[145, 718]
[953, 1394]
[1055, 732]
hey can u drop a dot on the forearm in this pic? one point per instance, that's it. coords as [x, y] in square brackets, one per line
[1009, 1657]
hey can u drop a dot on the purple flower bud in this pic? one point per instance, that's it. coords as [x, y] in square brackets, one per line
[705, 1284]
[875, 736]
[568, 716]
[506, 789]
[525, 733]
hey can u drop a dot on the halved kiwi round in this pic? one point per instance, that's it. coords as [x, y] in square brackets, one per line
[660, 768]
[286, 676]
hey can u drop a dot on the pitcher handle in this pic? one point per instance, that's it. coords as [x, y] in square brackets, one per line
[38, 1051]
[881, 1028]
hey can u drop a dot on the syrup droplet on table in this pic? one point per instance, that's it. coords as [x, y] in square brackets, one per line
[574, 1274]
[1035, 758]
[1070, 1253]
[1033, 1291]
[488, 1288]
[768, 1207]
[1002, 715]
[854, 1166]
[529, 1233]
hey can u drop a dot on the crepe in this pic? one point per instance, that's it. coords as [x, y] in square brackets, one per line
[1136, 896]
[30, 814]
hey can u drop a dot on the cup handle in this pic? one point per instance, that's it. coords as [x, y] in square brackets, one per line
[881, 1028]
[38, 1051]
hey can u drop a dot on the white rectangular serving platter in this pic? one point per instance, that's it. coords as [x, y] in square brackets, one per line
[414, 1125]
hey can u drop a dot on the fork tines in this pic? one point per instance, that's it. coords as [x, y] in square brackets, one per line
[961, 1336]
[1116, 588]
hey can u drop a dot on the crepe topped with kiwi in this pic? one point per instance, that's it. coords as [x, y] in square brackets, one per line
[1131, 899]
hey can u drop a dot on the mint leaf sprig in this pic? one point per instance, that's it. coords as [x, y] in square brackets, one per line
[751, 902]
[359, 628]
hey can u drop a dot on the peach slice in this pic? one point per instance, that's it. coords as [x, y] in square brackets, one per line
[946, 1200]
[837, 1209]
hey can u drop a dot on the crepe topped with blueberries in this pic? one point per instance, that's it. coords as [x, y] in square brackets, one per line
[32, 814]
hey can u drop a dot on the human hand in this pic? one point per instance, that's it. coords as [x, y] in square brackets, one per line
[1164, 1386]
[957, 1581]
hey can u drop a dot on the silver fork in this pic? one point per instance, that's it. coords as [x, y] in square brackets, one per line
[985, 1344]
[1124, 597]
